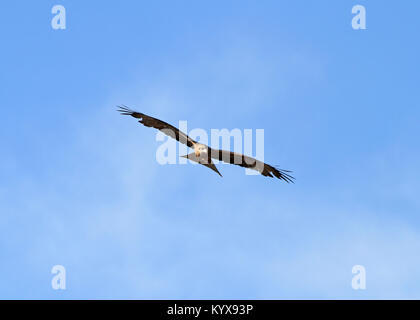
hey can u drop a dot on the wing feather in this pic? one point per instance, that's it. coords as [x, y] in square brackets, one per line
[251, 163]
[166, 128]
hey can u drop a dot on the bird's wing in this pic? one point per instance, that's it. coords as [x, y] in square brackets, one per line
[166, 128]
[251, 163]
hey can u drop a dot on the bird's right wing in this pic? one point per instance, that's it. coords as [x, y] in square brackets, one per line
[166, 128]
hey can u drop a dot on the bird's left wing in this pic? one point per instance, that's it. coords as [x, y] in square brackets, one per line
[250, 163]
[166, 128]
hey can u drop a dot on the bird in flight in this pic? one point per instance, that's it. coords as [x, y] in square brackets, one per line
[203, 154]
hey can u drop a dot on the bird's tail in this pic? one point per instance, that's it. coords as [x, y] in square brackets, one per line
[208, 164]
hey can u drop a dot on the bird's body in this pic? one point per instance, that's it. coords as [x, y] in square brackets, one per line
[203, 154]
[200, 150]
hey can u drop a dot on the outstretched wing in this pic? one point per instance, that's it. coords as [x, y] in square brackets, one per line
[166, 128]
[251, 163]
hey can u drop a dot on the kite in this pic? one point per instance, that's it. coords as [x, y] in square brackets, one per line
[203, 154]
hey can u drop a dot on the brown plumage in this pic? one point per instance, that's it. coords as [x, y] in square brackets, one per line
[166, 128]
[251, 163]
[203, 154]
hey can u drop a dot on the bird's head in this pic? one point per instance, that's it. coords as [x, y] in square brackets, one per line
[202, 148]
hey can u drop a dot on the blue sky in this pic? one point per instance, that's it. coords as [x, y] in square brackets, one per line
[80, 185]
